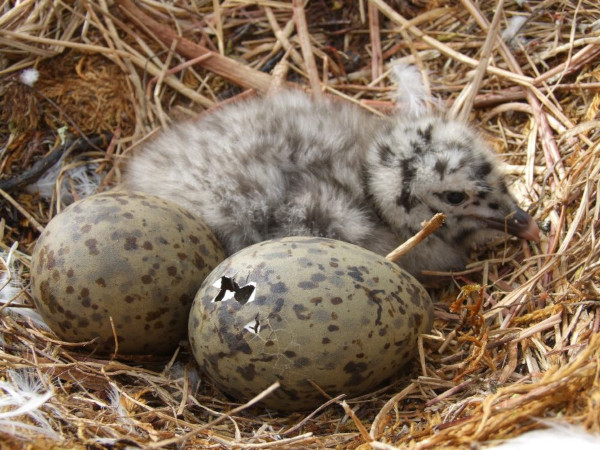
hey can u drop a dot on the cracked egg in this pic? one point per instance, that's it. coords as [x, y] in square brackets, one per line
[310, 313]
[131, 258]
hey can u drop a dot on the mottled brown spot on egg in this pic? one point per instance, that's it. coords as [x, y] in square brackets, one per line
[302, 362]
[153, 315]
[50, 260]
[333, 328]
[92, 246]
[316, 300]
[147, 245]
[199, 262]
[172, 271]
[147, 279]
[130, 243]
[186, 299]
[247, 372]
[336, 301]
[279, 288]
[318, 277]
[101, 282]
[355, 371]
[300, 311]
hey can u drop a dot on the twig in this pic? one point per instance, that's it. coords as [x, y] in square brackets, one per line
[312, 414]
[445, 49]
[361, 428]
[534, 97]
[282, 37]
[376, 54]
[226, 67]
[428, 228]
[376, 428]
[211, 424]
[486, 52]
[307, 53]
[22, 210]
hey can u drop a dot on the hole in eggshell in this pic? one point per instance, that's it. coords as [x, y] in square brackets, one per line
[229, 289]
[254, 326]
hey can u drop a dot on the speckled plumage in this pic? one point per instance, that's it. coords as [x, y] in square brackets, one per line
[287, 165]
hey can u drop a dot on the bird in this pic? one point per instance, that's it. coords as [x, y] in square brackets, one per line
[289, 164]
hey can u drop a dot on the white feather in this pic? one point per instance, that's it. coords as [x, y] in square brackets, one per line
[11, 288]
[83, 178]
[22, 395]
[114, 397]
[412, 97]
[29, 76]
[557, 436]
[513, 27]
[180, 370]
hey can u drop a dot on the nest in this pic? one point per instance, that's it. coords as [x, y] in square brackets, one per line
[515, 345]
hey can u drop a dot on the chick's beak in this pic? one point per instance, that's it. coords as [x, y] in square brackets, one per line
[518, 223]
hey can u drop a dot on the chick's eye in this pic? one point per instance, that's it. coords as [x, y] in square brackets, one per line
[454, 197]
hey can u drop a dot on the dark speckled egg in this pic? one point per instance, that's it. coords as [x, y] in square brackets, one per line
[303, 308]
[131, 257]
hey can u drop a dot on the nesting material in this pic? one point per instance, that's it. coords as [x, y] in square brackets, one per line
[515, 337]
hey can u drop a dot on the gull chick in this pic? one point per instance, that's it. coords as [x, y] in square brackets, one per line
[289, 165]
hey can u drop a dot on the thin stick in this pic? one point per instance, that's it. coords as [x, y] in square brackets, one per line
[219, 26]
[22, 210]
[428, 228]
[307, 53]
[534, 97]
[361, 428]
[282, 39]
[486, 53]
[194, 432]
[376, 429]
[221, 65]
[376, 54]
[445, 49]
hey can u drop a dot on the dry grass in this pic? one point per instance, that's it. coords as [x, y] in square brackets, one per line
[516, 334]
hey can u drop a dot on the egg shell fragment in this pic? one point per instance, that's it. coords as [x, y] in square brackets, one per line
[302, 308]
[135, 258]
